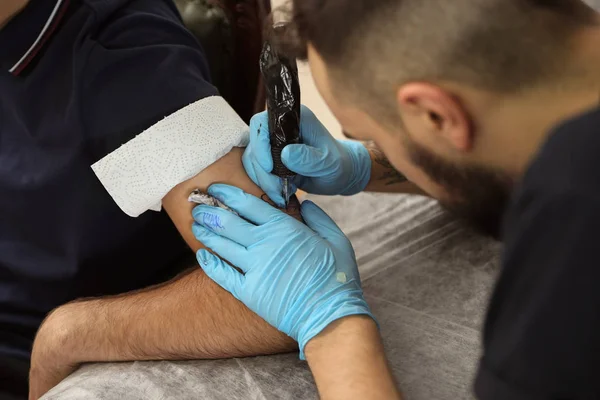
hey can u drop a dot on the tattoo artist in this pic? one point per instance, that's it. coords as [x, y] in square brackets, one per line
[484, 109]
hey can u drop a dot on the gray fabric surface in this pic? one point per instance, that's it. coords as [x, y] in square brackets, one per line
[426, 277]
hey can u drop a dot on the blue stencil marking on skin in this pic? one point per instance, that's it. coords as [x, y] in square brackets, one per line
[212, 221]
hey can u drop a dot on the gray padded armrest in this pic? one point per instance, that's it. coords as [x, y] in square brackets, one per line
[425, 276]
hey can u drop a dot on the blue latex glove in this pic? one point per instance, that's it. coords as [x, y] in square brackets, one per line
[298, 278]
[324, 164]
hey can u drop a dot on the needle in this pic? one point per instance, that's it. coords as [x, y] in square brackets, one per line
[287, 190]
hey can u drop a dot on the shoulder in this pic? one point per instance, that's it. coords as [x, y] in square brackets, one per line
[142, 41]
[542, 327]
[144, 65]
[569, 160]
[137, 22]
[109, 8]
[559, 194]
[562, 179]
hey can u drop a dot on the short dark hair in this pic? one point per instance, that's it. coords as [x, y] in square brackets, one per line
[499, 45]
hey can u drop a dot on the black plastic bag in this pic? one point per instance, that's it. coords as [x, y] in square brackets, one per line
[280, 76]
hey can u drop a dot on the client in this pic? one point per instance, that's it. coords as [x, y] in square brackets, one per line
[79, 79]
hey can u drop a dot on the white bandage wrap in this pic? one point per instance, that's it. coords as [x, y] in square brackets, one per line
[141, 172]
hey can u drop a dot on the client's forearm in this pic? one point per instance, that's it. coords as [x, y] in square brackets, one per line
[188, 318]
[384, 177]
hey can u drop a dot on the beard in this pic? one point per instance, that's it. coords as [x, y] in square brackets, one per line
[478, 195]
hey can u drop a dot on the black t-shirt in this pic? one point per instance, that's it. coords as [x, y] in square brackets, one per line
[103, 72]
[542, 334]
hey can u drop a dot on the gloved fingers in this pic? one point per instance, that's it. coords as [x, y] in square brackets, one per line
[273, 187]
[268, 182]
[305, 160]
[221, 272]
[247, 206]
[299, 181]
[228, 249]
[320, 222]
[261, 141]
[312, 131]
[311, 185]
[306, 114]
[225, 223]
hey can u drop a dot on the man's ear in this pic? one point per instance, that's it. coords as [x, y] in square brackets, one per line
[430, 111]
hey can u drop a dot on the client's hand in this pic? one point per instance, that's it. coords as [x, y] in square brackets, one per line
[298, 278]
[324, 164]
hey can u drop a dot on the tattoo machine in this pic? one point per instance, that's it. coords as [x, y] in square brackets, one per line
[280, 75]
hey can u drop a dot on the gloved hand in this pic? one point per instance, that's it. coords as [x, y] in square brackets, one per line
[324, 164]
[298, 278]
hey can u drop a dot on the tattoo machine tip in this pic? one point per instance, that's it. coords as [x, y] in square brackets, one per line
[287, 190]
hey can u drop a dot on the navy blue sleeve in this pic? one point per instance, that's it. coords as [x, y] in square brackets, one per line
[543, 325]
[143, 66]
